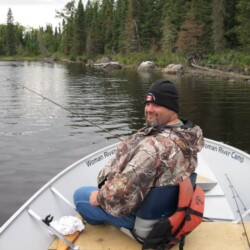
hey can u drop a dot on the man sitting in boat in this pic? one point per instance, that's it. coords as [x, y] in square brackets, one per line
[160, 154]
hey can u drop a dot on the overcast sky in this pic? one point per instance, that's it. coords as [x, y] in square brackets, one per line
[33, 13]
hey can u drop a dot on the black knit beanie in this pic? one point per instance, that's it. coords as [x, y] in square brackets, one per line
[164, 93]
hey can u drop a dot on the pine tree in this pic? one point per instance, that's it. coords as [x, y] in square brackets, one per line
[125, 26]
[151, 32]
[174, 13]
[68, 36]
[138, 7]
[218, 25]
[202, 10]
[106, 19]
[3, 49]
[67, 14]
[189, 35]
[120, 10]
[89, 9]
[57, 38]
[79, 30]
[10, 34]
[94, 43]
[243, 29]
[31, 45]
[48, 38]
[230, 35]
[129, 39]
[169, 35]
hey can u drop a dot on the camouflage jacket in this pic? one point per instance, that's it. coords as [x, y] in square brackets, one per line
[152, 157]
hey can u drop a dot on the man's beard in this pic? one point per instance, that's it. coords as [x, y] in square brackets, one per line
[151, 123]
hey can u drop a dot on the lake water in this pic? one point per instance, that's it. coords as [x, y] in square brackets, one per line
[38, 138]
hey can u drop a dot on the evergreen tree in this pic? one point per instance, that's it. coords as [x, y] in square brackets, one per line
[10, 34]
[218, 25]
[48, 38]
[169, 35]
[174, 13]
[190, 34]
[230, 35]
[202, 10]
[41, 43]
[57, 39]
[129, 39]
[89, 9]
[79, 30]
[31, 44]
[138, 18]
[151, 32]
[118, 23]
[67, 14]
[68, 36]
[106, 17]
[94, 43]
[3, 49]
[243, 29]
[125, 26]
[89, 12]
[19, 31]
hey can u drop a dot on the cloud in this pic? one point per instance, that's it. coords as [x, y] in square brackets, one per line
[33, 13]
[32, 2]
[36, 14]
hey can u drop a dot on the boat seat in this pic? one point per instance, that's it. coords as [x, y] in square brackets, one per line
[153, 209]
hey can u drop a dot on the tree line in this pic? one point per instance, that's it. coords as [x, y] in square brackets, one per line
[127, 26]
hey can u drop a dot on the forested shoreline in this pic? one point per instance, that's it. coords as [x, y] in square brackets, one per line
[165, 31]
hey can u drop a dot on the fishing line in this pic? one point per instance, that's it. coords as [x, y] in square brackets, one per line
[62, 107]
[231, 185]
[234, 196]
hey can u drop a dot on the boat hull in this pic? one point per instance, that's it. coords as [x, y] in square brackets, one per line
[218, 162]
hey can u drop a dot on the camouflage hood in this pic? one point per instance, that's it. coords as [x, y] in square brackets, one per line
[188, 137]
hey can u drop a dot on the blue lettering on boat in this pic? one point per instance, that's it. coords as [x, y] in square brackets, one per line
[237, 157]
[224, 151]
[211, 147]
[104, 155]
[109, 153]
[94, 161]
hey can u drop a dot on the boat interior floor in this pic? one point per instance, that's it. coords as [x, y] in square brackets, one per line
[208, 236]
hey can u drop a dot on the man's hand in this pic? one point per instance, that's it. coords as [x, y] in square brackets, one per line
[93, 198]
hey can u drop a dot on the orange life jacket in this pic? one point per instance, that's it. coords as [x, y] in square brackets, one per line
[172, 230]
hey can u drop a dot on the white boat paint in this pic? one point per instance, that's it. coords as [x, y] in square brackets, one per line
[216, 161]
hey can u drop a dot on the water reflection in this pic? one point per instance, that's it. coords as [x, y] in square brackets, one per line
[220, 108]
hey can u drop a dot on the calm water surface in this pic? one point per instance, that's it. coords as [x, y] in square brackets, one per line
[38, 139]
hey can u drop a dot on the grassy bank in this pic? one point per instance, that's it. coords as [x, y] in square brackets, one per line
[160, 59]
[228, 61]
[19, 58]
[231, 61]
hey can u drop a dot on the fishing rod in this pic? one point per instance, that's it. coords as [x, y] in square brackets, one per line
[238, 208]
[237, 195]
[62, 107]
